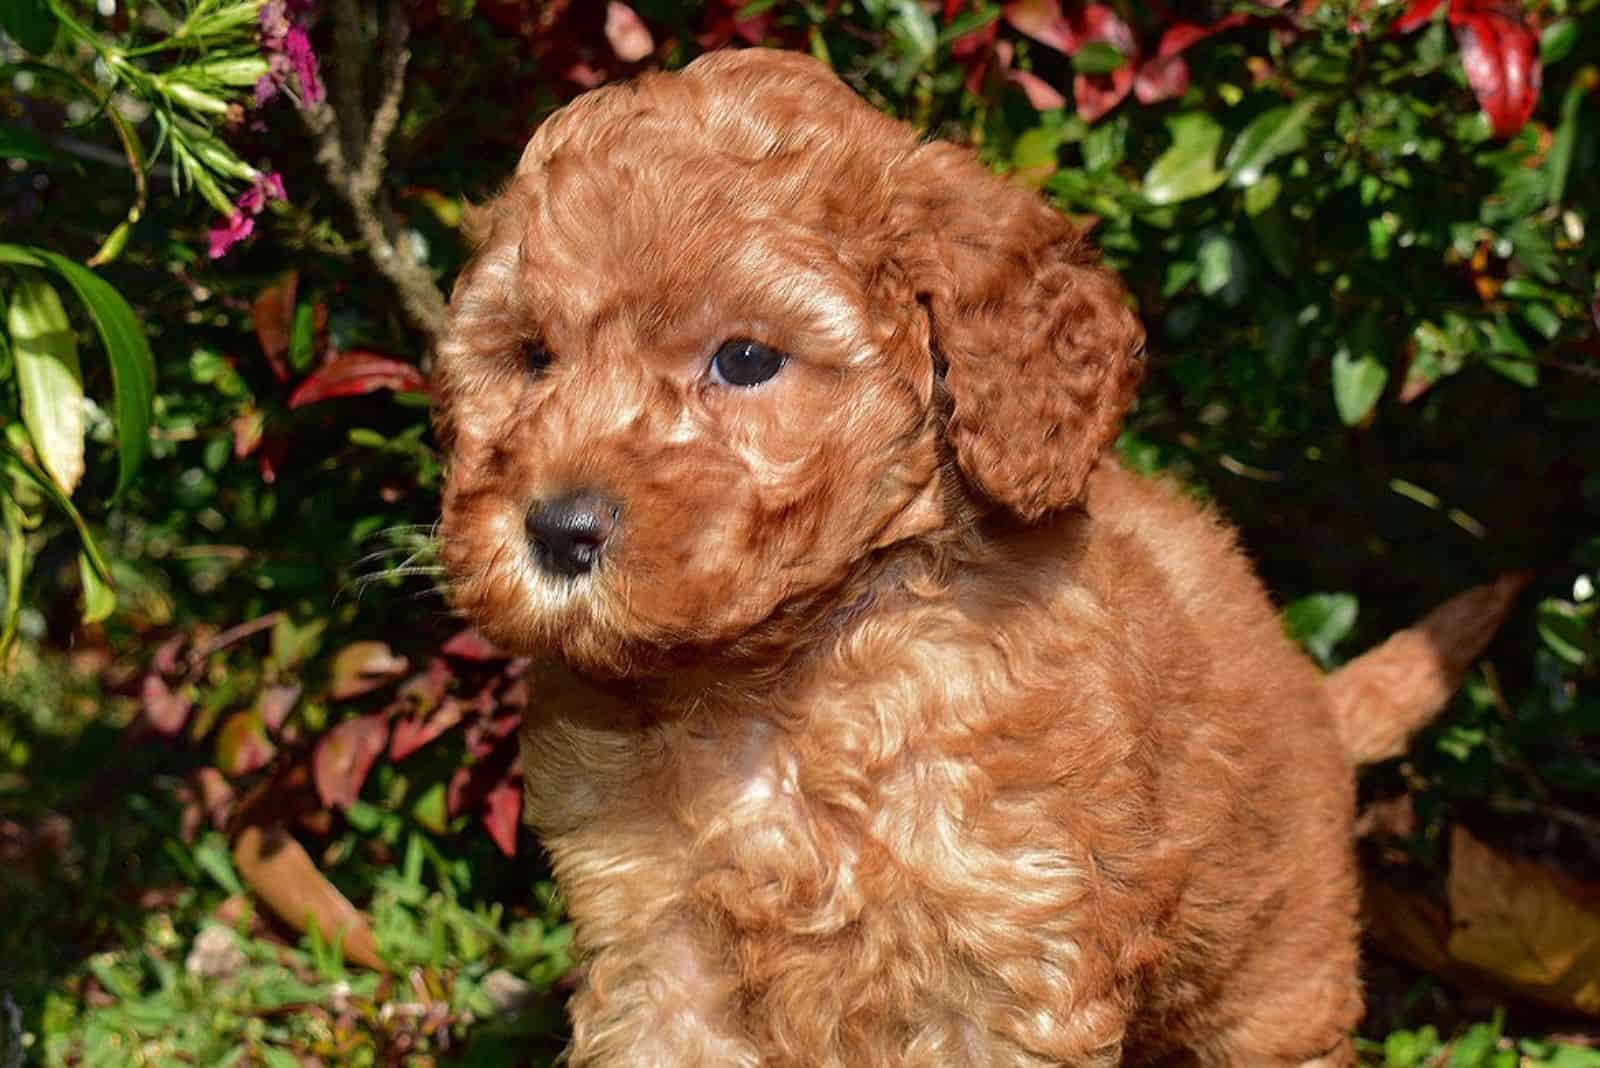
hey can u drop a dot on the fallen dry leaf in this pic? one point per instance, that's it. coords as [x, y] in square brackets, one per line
[275, 866]
[1511, 918]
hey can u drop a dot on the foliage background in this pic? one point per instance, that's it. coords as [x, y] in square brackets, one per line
[1368, 275]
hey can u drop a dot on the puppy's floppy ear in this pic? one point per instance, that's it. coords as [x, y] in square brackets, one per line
[1040, 351]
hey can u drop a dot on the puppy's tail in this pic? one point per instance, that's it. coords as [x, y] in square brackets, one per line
[1390, 691]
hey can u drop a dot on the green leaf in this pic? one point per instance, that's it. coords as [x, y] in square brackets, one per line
[99, 599]
[1222, 269]
[1321, 621]
[965, 23]
[1567, 630]
[1188, 169]
[30, 23]
[1557, 41]
[1098, 57]
[133, 368]
[1262, 195]
[49, 377]
[10, 460]
[1270, 134]
[1472, 1049]
[1357, 384]
[11, 525]
[1558, 162]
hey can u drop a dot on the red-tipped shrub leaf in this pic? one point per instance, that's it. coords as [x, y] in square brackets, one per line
[351, 374]
[1501, 55]
[361, 667]
[1416, 15]
[470, 645]
[502, 811]
[275, 704]
[163, 709]
[272, 314]
[1177, 38]
[243, 745]
[627, 34]
[1043, 21]
[1096, 94]
[414, 732]
[1162, 78]
[345, 755]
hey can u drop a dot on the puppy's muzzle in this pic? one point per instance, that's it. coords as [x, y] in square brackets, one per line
[568, 534]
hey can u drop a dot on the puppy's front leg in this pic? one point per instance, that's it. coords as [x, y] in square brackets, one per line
[658, 1004]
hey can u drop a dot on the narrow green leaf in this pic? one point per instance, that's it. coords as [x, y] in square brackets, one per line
[30, 23]
[49, 377]
[99, 599]
[1188, 169]
[133, 368]
[967, 22]
[10, 460]
[1567, 630]
[1269, 135]
[1357, 385]
[1558, 162]
[11, 526]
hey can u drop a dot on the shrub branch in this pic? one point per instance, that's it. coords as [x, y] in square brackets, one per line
[352, 152]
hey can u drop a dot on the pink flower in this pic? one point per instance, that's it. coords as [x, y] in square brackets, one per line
[274, 22]
[241, 223]
[297, 46]
[288, 49]
[232, 230]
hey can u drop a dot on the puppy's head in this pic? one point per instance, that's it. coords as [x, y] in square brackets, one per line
[731, 331]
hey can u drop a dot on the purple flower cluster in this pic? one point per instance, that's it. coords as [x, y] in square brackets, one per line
[288, 49]
[241, 223]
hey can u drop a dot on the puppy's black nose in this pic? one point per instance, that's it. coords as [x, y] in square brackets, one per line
[568, 533]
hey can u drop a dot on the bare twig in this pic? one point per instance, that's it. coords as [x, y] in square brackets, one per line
[352, 152]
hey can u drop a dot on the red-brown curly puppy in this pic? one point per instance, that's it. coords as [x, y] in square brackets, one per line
[884, 723]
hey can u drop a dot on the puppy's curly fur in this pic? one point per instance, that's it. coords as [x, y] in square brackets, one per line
[895, 726]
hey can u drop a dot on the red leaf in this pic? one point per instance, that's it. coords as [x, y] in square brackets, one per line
[350, 374]
[215, 795]
[1043, 21]
[243, 745]
[1180, 35]
[422, 692]
[362, 667]
[345, 755]
[470, 645]
[1162, 78]
[502, 811]
[1501, 55]
[272, 313]
[1096, 94]
[163, 709]
[1416, 14]
[414, 732]
[166, 657]
[629, 36]
[276, 703]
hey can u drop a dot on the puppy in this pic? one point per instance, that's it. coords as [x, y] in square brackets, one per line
[881, 720]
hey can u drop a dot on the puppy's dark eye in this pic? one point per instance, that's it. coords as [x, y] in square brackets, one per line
[746, 363]
[535, 357]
